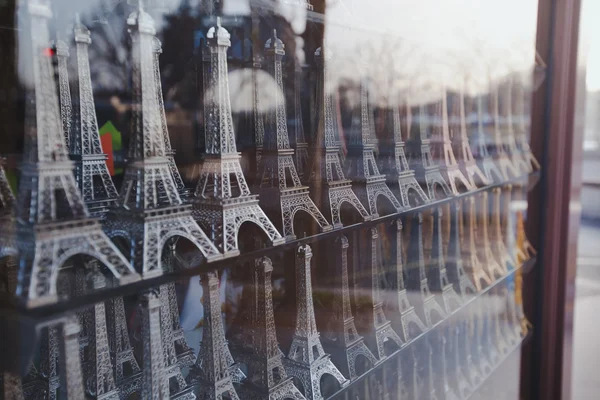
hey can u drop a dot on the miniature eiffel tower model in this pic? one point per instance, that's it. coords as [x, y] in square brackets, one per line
[217, 205]
[422, 160]
[437, 275]
[150, 210]
[297, 135]
[456, 273]
[497, 338]
[408, 314]
[91, 172]
[531, 164]
[450, 167]
[214, 370]
[518, 299]
[484, 160]
[259, 122]
[492, 267]
[306, 360]
[524, 248]
[64, 89]
[341, 339]
[52, 221]
[281, 192]
[516, 157]
[461, 140]
[501, 157]
[477, 322]
[457, 377]
[496, 233]
[266, 375]
[169, 152]
[330, 187]
[368, 183]
[439, 365]
[416, 276]
[399, 171]
[465, 350]
[515, 314]
[378, 328]
[472, 264]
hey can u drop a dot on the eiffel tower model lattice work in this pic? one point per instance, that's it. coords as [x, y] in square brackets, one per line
[281, 192]
[257, 116]
[341, 338]
[64, 87]
[455, 268]
[484, 159]
[421, 159]
[519, 163]
[267, 377]
[329, 184]
[492, 267]
[501, 157]
[223, 201]
[306, 360]
[460, 139]
[471, 261]
[150, 212]
[215, 370]
[53, 222]
[361, 167]
[297, 136]
[398, 171]
[522, 118]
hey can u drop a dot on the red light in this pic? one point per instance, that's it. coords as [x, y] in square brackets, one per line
[49, 52]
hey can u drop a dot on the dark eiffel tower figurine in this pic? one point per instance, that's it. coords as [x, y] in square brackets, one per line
[449, 167]
[456, 273]
[266, 375]
[281, 192]
[215, 370]
[361, 167]
[501, 157]
[399, 171]
[492, 267]
[437, 275]
[484, 159]
[521, 128]
[408, 314]
[341, 338]
[150, 210]
[329, 184]
[499, 248]
[378, 329]
[460, 138]
[306, 360]
[53, 223]
[421, 159]
[417, 277]
[297, 136]
[91, 172]
[258, 118]
[219, 205]
[472, 264]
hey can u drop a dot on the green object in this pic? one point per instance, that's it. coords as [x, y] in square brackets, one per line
[12, 180]
[110, 129]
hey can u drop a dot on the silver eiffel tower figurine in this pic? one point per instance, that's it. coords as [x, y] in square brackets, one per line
[368, 183]
[49, 199]
[257, 116]
[519, 163]
[64, 88]
[492, 267]
[497, 234]
[297, 136]
[378, 329]
[91, 172]
[409, 323]
[426, 170]
[214, 371]
[399, 172]
[501, 157]
[341, 338]
[437, 274]
[522, 128]
[306, 360]
[223, 201]
[329, 184]
[150, 211]
[457, 377]
[455, 269]
[438, 343]
[281, 192]
[472, 264]
[267, 377]
[484, 159]
[429, 309]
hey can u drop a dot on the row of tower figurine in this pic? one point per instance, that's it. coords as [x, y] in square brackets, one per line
[436, 278]
[67, 204]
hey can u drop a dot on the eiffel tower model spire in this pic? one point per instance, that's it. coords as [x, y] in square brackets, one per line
[306, 360]
[257, 116]
[519, 163]
[378, 328]
[437, 274]
[409, 320]
[169, 152]
[150, 211]
[267, 377]
[521, 126]
[341, 338]
[368, 183]
[501, 157]
[64, 90]
[426, 170]
[91, 172]
[492, 267]
[399, 171]
[472, 264]
[53, 223]
[221, 206]
[449, 165]
[467, 162]
[214, 370]
[455, 268]
[298, 138]
[281, 192]
[329, 184]
[484, 160]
